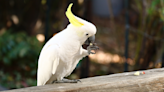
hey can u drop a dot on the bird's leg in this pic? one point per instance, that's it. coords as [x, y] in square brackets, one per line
[92, 47]
[67, 81]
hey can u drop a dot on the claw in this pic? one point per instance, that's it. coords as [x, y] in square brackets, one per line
[92, 47]
[67, 81]
[78, 80]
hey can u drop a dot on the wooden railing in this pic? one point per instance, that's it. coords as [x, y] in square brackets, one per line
[151, 81]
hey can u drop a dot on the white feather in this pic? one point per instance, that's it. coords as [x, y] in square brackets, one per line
[60, 56]
[47, 64]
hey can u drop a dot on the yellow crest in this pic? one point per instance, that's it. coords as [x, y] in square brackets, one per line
[72, 18]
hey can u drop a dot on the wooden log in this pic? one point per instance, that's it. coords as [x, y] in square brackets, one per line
[151, 81]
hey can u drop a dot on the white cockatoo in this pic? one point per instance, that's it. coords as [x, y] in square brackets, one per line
[62, 52]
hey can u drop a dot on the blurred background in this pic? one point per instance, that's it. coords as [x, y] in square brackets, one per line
[130, 34]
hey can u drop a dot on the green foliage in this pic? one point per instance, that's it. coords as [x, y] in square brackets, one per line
[150, 33]
[18, 59]
[153, 6]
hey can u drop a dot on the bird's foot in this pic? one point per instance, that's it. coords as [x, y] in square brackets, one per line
[92, 47]
[67, 81]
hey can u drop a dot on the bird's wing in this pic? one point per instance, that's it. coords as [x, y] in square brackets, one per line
[48, 63]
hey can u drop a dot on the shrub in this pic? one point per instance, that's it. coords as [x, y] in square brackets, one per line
[18, 59]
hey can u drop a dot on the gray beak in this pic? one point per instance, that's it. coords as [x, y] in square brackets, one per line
[90, 40]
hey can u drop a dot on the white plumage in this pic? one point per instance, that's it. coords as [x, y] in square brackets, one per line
[63, 51]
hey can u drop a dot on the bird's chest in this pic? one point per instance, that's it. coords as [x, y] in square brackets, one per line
[69, 51]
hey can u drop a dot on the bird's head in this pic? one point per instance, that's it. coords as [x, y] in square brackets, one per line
[83, 28]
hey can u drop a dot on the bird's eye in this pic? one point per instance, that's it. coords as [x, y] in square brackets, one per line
[87, 34]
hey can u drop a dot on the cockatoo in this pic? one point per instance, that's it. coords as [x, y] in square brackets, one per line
[61, 54]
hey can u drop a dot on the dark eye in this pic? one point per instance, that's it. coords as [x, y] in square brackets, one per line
[87, 34]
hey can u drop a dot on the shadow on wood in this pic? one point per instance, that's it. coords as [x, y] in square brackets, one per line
[152, 80]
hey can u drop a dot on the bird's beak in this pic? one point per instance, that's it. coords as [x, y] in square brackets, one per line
[90, 40]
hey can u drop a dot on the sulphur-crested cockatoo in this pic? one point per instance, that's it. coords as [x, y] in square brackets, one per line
[62, 52]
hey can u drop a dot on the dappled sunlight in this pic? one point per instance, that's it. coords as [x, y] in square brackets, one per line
[15, 19]
[80, 1]
[116, 58]
[105, 58]
[38, 24]
[40, 37]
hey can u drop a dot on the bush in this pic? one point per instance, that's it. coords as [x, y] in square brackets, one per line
[18, 59]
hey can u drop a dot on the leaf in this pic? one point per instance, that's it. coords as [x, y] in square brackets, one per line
[154, 3]
[6, 61]
[23, 52]
[152, 9]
